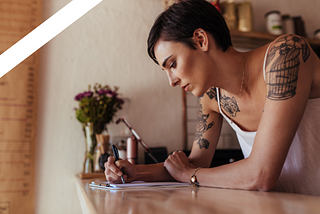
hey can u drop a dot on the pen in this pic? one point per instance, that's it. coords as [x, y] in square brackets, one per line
[116, 156]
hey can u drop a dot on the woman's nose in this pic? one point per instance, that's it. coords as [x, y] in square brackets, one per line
[174, 81]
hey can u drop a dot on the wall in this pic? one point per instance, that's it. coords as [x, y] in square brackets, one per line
[108, 45]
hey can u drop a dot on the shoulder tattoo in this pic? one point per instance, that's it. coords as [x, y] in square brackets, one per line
[202, 127]
[282, 76]
[228, 104]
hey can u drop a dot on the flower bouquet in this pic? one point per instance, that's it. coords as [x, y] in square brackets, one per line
[97, 107]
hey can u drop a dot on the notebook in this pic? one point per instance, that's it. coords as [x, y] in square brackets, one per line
[137, 184]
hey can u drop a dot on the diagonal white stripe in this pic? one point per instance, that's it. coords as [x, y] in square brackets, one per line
[44, 33]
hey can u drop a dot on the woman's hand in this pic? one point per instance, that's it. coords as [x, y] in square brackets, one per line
[178, 166]
[113, 170]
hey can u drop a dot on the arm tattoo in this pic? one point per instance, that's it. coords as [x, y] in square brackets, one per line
[202, 127]
[282, 76]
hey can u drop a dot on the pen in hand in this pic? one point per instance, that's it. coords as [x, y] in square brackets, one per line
[116, 156]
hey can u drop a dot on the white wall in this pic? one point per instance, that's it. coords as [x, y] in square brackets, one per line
[108, 45]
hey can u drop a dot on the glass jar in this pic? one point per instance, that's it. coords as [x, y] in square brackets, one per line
[274, 22]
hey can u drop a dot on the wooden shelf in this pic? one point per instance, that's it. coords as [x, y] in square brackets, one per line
[253, 39]
[91, 175]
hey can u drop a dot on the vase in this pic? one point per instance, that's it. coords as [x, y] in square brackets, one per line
[100, 149]
[90, 145]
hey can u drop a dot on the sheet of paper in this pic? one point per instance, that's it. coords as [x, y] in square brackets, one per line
[137, 184]
[18, 90]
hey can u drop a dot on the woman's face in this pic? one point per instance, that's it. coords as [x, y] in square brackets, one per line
[184, 66]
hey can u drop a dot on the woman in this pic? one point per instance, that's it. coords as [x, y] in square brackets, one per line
[270, 97]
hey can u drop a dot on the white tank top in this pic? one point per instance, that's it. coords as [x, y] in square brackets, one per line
[301, 170]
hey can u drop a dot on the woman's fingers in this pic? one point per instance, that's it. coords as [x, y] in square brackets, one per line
[112, 171]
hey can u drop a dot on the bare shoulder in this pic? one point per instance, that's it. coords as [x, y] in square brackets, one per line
[209, 101]
[290, 46]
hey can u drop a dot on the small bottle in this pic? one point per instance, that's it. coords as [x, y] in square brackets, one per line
[132, 150]
[274, 22]
[122, 149]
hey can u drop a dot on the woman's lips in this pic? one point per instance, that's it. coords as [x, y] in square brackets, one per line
[186, 87]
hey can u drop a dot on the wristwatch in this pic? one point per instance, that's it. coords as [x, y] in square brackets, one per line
[193, 178]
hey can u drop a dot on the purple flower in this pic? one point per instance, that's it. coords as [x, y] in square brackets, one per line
[82, 95]
[88, 94]
[112, 93]
[79, 97]
[108, 93]
[102, 92]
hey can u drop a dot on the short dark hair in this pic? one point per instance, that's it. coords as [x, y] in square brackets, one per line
[179, 21]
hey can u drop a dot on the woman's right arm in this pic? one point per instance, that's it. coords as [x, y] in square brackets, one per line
[208, 130]
[204, 145]
[151, 172]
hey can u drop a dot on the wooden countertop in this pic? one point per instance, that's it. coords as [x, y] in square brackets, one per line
[198, 200]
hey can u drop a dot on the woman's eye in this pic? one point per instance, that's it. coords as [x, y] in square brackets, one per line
[173, 65]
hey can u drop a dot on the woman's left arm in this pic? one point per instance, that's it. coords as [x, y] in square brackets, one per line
[289, 77]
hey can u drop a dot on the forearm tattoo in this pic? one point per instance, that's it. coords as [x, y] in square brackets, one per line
[282, 76]
[202, 127]
[228, 104]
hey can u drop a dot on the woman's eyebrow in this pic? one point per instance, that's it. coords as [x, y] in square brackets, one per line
[165, 61]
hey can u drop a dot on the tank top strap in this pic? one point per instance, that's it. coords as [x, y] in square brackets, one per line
[264, 62]
[218, 99]
[221, 112]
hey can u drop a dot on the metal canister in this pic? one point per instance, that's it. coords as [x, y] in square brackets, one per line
[229, 13]
[274, 22]
[288, 24]
[245, 16]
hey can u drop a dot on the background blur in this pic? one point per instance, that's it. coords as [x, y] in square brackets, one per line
[108, 46]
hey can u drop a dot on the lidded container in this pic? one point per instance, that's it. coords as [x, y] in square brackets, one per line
[229, 13]
[245, 16]
[274, 22]
[288, 24]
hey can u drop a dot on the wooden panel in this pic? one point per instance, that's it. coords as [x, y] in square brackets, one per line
[18, 90]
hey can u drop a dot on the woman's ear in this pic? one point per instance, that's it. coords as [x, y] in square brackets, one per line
[201, 39]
